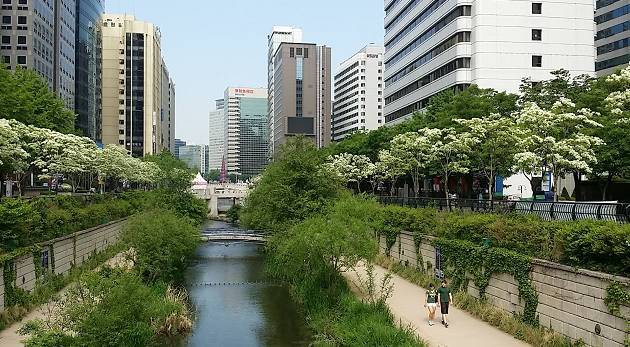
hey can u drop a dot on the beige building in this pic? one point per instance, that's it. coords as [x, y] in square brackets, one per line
[302, 93]
[132, 85]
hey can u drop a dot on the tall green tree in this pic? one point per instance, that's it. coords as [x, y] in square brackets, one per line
[26, 97]
[292, 188]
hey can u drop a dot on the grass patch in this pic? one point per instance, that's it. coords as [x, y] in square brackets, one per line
[52, 284]
[537, 336]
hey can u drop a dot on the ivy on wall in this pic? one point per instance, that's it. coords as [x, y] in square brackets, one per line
[481, 262]
[617, 294]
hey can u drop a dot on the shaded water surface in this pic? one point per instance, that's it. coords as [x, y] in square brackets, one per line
[234, 304]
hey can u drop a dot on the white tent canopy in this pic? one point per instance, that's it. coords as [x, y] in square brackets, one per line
[199, 182]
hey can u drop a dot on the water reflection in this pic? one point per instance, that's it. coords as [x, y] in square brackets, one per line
[235, 306]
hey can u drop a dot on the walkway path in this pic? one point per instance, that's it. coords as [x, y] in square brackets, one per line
[407, 303]
[10, 337]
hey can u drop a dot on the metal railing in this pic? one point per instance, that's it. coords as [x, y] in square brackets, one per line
[547, 210]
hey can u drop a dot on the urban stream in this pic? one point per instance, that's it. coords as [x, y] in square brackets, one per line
[235, 305]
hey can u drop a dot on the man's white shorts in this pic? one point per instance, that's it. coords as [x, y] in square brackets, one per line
[432, 305]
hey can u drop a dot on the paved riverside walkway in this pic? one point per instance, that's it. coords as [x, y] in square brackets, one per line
[407, 306]
[9, 337]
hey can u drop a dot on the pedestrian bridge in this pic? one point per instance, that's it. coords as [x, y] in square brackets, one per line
[221, 196]
[228, 235]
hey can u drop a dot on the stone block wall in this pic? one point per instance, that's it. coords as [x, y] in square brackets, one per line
[571, 301]
[25, 276]
[62, 254]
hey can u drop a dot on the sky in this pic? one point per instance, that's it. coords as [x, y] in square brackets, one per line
[214, 44]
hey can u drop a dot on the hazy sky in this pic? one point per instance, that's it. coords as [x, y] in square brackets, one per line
[210, 45]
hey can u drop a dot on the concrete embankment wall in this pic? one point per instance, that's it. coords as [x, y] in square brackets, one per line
[570, 300]
[60, 255]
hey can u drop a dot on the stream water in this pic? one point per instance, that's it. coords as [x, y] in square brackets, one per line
[235, 305]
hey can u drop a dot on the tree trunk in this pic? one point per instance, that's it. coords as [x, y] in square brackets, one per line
[448, 201]
[554, 189]
[577, 178]
[606, 185]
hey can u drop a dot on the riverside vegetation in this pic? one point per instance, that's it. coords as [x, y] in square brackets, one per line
[141, 305]
[318, 230]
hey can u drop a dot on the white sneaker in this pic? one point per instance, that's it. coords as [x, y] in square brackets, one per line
[431, 323]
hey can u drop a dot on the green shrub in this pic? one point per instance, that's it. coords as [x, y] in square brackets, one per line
[603, 246]
[163, 243]
[19, 223]
[113, 308]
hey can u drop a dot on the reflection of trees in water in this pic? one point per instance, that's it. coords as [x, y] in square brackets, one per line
[284, 324]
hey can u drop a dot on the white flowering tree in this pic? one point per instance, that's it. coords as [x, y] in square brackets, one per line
[494, 154]
[390, 167]
[555, 140]
[351, 168]
[76, 159]
[618, 102]
[450, 152]
[113, 164]
[13, 156]
[415, 150]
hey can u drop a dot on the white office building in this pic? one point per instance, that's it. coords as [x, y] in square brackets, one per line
[612, 40]
[359, 99]
[216, 138]
[435, 45]
[279, 34]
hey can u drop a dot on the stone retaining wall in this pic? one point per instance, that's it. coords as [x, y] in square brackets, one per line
[61, 255]
[571, 301]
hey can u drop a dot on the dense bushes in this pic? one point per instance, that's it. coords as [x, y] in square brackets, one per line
[162, 243]
[112, 308]
[596, 245]
[25, 222]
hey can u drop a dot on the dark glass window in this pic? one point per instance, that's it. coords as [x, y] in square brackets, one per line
[6, 19]
[536, 35]
[21, 59]
[536, 60]
[21, 40]
[6, 40]
[536, 8]
[21, 19]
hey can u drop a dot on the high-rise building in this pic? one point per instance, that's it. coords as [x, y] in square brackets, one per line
[88, 67]
[302, 93]
[245, 130]
[132, 85]
[359, 96]
[279, 34]
[216, 138]
[167, 114]
[440, 45]
[178, 144]
[40, 35]
[195, 157]
[613, 35]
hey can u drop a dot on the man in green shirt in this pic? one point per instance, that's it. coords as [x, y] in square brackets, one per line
[431, 303]
[446, 298]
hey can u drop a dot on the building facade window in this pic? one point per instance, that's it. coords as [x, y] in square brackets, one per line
[536, 60]
[536, 8]
[536, 34]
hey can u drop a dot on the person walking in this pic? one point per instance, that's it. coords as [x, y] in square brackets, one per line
[431, 303]
[446, 299]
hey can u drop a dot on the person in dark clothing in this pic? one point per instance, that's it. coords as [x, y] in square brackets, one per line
[446, 299]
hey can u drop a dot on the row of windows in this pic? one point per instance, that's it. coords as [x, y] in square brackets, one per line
[613, 30]
[337, 120]
[356, 121]
[604, 3]
[353, 108]
[354, 86]
[346, 97]
[400, 16]
[346, 70]
[343, 86]
[441, 48]
[390, 6]
[20, 2]
[459, 63]
[347, 77]
[613, 46]
[618, 12]
[414, 23]
[340, 107]
[617, 61]
[419, 105]
[21, 20]
[458, 12]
